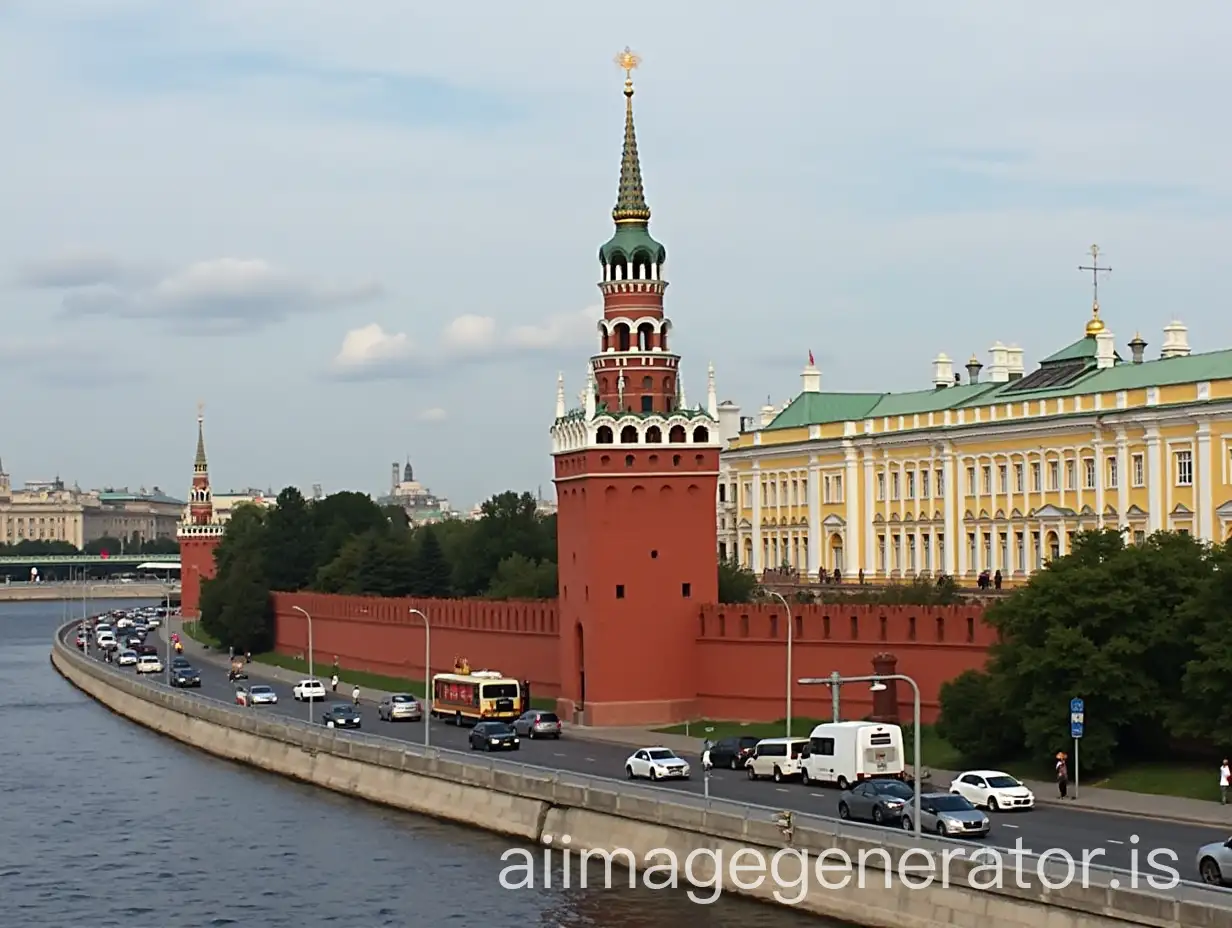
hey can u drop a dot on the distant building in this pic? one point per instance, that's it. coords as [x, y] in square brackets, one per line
[48, 510]
[419, 503]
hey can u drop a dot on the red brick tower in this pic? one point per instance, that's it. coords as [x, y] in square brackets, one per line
[200, 535]
[636, 474]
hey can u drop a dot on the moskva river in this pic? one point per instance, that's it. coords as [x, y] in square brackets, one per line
[106, 824]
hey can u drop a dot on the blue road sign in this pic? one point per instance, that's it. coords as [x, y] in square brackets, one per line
[1077, 717]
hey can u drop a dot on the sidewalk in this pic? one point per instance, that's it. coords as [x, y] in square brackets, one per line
[1090, 799]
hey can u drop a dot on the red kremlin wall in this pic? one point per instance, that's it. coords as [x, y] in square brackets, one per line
[741, 650]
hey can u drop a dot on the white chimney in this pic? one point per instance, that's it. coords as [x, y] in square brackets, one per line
[712, 396]
[560, 395]
[943, 371]
[810, 378]
[767, 415]
[1014, 362]
[1176, 340]
[1105, 349]
[999, 366]
[729, 421]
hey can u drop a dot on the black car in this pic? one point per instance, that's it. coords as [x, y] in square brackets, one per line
[185, 676]
[133, 641]
[732, 752]
[145, 650]
[494, 736]
[340, 715]
[179, 662]
[880, 801]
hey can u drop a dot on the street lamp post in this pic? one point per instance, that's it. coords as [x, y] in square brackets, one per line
[304, 612]
[779, 597]
[878, 685]
[427, 706]
[167, 633]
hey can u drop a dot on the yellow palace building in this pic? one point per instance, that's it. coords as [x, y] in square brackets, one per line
[992, 472]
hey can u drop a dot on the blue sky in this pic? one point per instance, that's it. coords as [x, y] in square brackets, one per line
[366, 230]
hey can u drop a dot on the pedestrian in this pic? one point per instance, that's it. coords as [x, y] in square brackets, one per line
[355, 695]
[706, 764]
[231, 653]
[247, 657]
[1225, 781]
[1062, 776]
[334, 683]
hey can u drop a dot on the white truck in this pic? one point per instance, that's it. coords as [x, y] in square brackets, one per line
[844, 753]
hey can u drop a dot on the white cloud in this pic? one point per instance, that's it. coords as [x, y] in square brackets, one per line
[220, 296]
[435, 414]
[369, 353]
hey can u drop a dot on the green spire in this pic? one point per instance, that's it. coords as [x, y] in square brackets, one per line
[631, 199]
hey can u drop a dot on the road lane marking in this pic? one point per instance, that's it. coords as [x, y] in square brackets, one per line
[779, 789]
[818, 795]
[1111, 841]
[1008, 825]
[589, 760]
[558, 755]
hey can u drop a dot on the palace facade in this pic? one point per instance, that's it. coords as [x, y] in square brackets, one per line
[983, 473]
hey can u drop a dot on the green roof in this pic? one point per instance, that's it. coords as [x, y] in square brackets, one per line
[1080, 350]
[630, 240]
[820, 408]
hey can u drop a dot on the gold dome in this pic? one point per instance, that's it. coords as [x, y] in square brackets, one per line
[1096, 325]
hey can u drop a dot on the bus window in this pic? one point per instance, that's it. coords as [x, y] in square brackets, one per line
[500, 691]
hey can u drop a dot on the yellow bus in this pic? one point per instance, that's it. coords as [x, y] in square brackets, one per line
[476, 696]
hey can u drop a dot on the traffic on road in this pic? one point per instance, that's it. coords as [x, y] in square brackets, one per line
[980, 806]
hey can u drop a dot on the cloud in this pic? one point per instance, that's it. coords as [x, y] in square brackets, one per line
[435, 414]
[218, 296]
[370, 353]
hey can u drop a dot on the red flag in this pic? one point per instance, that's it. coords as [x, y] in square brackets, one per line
[811, 359]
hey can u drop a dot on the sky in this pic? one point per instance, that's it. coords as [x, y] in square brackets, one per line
[362, 231]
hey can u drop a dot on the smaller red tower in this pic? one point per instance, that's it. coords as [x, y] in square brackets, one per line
[200, 534]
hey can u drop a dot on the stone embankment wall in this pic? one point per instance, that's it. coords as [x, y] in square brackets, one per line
[529, 804]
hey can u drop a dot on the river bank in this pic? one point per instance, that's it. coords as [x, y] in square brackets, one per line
[45, 592]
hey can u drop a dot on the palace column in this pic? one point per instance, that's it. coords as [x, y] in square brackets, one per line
[868, 492]
[757, 566]
[1101, 471]
[1155, 480]
[851, 497]
[813, 567]
[951, 500]
[1203, 477]
[1123, 478]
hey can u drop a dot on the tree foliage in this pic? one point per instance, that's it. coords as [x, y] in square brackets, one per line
[346, 543]
[1140, 632]
[736, 584]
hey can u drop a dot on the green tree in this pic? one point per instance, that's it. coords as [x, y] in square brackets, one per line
[975, 719]
[290, 542]
[160, 546]
[373, 564]
[736, 584]
[245, 617]
[518, 577]
[1205, 709]
[509, 523]
[107, 544]
[431, 573]
[340, 517]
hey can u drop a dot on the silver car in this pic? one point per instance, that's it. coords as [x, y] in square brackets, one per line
[947, 814]
[399, 707]
[1215, 863]
[537, 724]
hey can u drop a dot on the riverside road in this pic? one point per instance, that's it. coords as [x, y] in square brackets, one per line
[1045, 828]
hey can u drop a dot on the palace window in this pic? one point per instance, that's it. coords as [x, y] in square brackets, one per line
[971, 481]
[881, 552]
[748, 494]
[837, 484]
[924, 484]
[940, 484]
[1037, 550]
[987, 475]
[910, 484]
[1139, 470]
[1070, 470]
[1020, 553]
[795, 492]
[1018, 478]
[1088, 473]
[1139, 537]
[898, 552]
[894, 485]
[1054, 475]
[1036, 485]
[1184, 468]
[972, 551]
[1112, 473]
[825, 490]
[926, 551]
[881, 486]
[1003, 478]
[987, 564]
[911, 553]
[940, 552]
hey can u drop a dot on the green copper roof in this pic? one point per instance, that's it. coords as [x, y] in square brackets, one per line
[1080, 350]
[631, 214]
[815, 408]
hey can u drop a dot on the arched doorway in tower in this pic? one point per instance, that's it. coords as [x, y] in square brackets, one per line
[581, 666]
[1054, 546]
[836, 552]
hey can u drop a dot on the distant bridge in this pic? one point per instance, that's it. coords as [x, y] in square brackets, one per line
[164, 561]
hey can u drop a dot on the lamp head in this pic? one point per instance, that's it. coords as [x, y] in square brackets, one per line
[878, 687]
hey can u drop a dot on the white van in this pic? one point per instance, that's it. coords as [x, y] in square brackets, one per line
[779, 758]
[844, 753]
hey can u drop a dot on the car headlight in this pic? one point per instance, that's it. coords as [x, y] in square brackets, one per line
[495, 740]
[893, 803]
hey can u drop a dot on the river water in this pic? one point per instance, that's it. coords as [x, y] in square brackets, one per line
[106, 824]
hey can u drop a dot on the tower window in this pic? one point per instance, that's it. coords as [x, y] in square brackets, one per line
[620, 591]
[604, 435]
[677, 435]
[647, 383]
[675, 460]
[647, 404]
[622, 337]
[701, 435]
[686, 590]
[628, 435]
[645, 334]
[654, 436]
[628, 460]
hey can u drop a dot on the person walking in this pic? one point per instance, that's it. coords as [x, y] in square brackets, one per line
[706, 764]
[355, 696]
[1225, 781]
[1062, 776]
[334, 683]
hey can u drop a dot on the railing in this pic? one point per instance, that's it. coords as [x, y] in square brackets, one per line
[340, 742]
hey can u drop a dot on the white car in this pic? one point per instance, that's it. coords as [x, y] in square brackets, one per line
[124, 622]
[261, 695]
[107, 641]
[152, 621]
[127, 658]
[656, 764]
[308, 691]
[993, 790]
[149, 663]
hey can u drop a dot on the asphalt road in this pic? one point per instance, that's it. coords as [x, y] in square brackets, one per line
[1109, 839]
